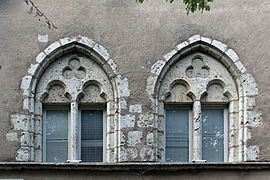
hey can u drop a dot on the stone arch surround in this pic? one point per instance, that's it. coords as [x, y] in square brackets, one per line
[246, 86]
[31, 136]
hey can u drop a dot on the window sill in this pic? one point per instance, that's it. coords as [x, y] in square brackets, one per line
[140, 166]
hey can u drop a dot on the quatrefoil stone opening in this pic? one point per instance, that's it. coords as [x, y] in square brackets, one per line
[74, 69]
[197, 69]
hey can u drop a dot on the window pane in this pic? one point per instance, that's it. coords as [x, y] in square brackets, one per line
[56, 150]
[56, 135]
[56, 124]
[92, 135]
[177, 138]
[213, 135]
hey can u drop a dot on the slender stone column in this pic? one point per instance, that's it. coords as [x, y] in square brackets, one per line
[74, 133]
[197, 132]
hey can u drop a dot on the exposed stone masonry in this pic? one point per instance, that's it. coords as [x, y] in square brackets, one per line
[132, 134]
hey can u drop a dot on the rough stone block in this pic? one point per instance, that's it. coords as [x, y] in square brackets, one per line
[240, 67]
[40, 57]
[22, 154]
[249, 103]
[88, 42]
[25, 84]
[253, 118]
[147, 154]
[205, 39]
[145, 120]
[134, 137]
[157, 67]
[24, 139]
[252, 153]
[136, 108]
[112, 65]
[33, 69]
[168, 56]
[123, 103]
[250, 86]
[43, 38]
[132, 154]
[103, 52]
[150, 138]
[52, 47]
[219, 45]
[150, 84]
[26, 103]
[123, 86]
[194, 38]
[127, 121]
[232, 55]
[12, 136]
[181, 45]
[19, 122]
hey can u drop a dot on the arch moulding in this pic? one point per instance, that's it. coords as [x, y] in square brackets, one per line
[30, 121]
[243, 116]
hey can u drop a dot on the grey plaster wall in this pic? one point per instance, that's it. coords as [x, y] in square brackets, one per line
[136, 36]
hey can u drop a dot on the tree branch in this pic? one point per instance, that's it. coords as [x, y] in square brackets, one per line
[39, 13]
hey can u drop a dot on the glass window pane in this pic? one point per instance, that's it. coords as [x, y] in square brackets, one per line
[213, 135]
[56, 150]
[56, 124]
[92, 135]
[177, 135]
[56, 135]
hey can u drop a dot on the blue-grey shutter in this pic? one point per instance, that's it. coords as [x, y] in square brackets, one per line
[92, 135]
[56, 135]
[213, 135]
[177, 135]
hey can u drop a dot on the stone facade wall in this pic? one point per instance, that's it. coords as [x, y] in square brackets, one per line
[130, 44]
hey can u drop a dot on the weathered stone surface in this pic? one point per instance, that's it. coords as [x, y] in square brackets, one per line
[168, 56]
[145, 120]
[232, 54]
[134, 137]
[19, 122]
[123, 86]
[157, 67]
[136, 108]
[147, 154]
[182, 45]
[150, 139]
[127, 121]
[12, 136]
[206, 39]
[252, 153]
[52, 47]
[219, 45]
[43, 38]
[25, 84]
[22, 154]
[109, 23]
[102, 51]
[194, 38]
[86, 41]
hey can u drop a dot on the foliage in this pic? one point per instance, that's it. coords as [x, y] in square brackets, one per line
[192, 5]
